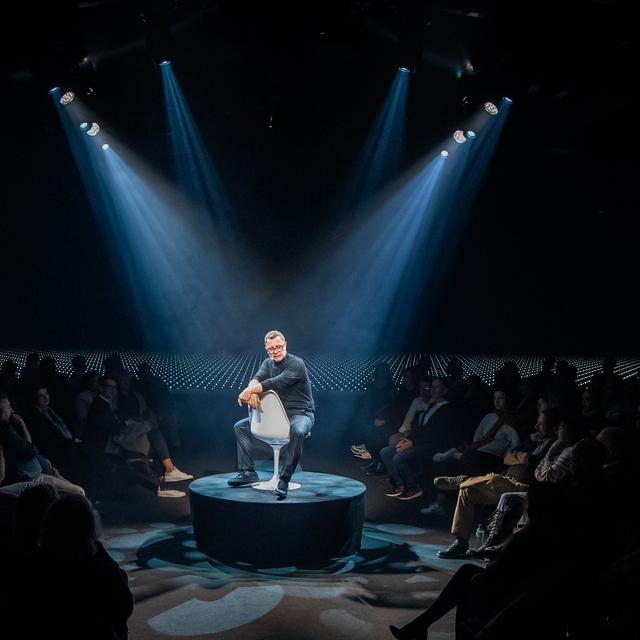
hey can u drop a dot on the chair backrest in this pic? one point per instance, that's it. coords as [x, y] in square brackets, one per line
[269, 422]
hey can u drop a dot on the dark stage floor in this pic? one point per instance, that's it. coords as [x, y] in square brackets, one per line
[181, 593]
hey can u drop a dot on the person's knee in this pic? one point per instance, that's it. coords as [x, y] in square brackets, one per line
[298, 431]
[241, 426]
[387, 452]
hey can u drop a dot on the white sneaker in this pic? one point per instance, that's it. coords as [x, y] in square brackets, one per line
[170, 493]
[450, 454]
[434, 509]
[176, 476]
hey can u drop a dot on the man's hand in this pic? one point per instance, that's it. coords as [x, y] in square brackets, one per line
[403, 444]
[249, 397]
[518, 457]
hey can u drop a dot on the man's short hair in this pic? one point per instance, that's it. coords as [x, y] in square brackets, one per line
[274, 334]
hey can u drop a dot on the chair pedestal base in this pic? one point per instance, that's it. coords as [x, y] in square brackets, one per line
[270, 485]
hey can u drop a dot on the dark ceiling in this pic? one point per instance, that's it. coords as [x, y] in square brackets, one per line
[284, 94]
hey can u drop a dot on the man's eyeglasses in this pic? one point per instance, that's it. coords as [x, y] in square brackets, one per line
[276, 349]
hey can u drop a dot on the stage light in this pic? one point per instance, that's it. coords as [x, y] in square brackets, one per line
[165, 63]
[54, 89]
[105, 146]
[84, 125]
[67, 97]
[94, 129]
[444, 153]
[458, 136]
[404, 70]
[508, 100]
[471, 134]
[491, 108]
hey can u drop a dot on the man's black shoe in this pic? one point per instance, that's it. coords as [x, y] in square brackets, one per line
[282, 489]
[244, 479]
[458, 549]
[376, 470]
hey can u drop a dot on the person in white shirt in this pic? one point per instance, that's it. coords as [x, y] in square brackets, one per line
[492, 439]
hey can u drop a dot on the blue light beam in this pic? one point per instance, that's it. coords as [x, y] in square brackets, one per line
[195, 171]
[382, 153]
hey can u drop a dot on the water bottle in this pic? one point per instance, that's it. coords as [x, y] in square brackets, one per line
[480, 535]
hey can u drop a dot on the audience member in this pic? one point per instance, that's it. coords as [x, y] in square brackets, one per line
[24, 465]
[131, 439]
[487, 489]
[85, 577]
[430, 432]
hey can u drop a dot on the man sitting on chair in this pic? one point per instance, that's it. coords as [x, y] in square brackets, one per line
[287, 375]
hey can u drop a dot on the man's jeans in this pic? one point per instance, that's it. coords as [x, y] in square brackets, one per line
[300, 429]
[405, 467]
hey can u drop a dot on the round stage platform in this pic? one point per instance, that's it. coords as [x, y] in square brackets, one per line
[321, 520]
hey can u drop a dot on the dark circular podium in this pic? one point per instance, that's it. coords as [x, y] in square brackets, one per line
[321, 520]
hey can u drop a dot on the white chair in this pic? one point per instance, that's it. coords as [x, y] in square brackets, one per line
[270, 424]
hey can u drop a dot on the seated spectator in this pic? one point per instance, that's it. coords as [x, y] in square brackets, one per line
[83, 402]
[131, 439]
[591, 416]
[24, 465]
[8, 376]
[77, 377]
[537, 551]
[375, 423]
[85, 575]
[487, 489]
[508, 377]
[50, 433]
[113, 366]
[29, 374]
[545, 378]
[493, 438]
[158, 398]
[614, 407]
[430, 432]
[31, 509]
[607, 375]
[566, 389]
[48, 376]
[585, 486]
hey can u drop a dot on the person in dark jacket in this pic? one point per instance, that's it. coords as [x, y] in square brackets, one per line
[430, 432]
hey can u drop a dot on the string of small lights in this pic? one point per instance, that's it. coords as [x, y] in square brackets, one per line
[220, 371]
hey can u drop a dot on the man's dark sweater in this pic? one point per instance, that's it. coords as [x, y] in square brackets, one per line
[290, 380]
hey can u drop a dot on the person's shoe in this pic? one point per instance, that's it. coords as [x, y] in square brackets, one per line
[486, 553]
[377, 469]
[358, 447]
[244, 479]
[401, 634]
[177, 476]
[434, 509]
[457, 549]
[411, 494]
[170, 493]
[449, 483]
[394, 492]
[363, 455]
[445, 455]
[370, 465]
[282, 489]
